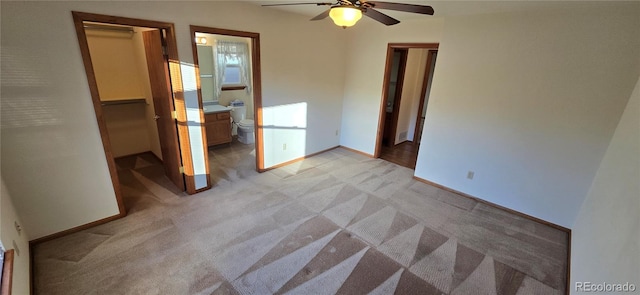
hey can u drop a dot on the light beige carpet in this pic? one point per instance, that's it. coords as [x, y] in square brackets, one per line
[335, 223]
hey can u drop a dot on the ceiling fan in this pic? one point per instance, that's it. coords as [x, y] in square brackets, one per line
[346, 13]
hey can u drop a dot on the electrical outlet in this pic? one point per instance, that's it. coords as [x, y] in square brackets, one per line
[284, 146]
[336, 132]
[470, 174]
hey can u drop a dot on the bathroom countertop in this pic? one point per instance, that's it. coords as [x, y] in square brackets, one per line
[210, 109]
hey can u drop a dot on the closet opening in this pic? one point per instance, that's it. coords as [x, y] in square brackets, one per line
[135, 83]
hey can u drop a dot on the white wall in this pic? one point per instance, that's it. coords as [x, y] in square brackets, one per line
[366, 56]
[128, 128]
[114, 64]
[51, 150]
[529, 102]
[411, 90]
[51, 147]
[605, 242]
[11, 238]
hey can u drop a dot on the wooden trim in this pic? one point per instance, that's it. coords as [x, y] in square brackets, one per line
[298, 159]
[383, 102]
[37, 241]
[257, 102]
[117, 20]
[176, 83]
[7, 272]
[229, 88]
[395, 113]
[31, 268]
[518, 213]
[78, 18]
[257, 82]
[140, 154]
[194, 51]
[181, 110]
[567, 291]
[415, 45]
[385, 87]
[357, 151]
[219, 31]
[74, 230]
[423, 92]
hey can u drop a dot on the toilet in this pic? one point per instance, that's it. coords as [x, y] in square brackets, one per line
[244, 126]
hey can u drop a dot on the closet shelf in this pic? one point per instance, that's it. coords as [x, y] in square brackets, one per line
[123, 101]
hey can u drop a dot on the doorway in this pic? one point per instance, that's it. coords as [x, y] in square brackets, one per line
[394, 96]
[407, 81]
[228, 74]
[166, 96]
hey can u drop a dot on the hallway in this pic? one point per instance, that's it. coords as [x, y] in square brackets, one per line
[404, 154]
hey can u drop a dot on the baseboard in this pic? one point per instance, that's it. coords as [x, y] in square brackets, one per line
[140, 154]
[296, 160]
[75, 229]
[357, 151]
[523, 215]
[399, 143]
[63, 233]
[518, 213]
[311, 155]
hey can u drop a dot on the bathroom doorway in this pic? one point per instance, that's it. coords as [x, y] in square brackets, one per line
[407, 81]
[227, 66]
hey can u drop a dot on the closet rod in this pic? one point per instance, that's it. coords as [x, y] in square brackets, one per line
[109, 28]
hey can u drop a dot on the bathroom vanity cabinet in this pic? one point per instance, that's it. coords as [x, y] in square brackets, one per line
[217, 127]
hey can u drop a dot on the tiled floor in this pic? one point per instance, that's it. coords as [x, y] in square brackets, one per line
[334, 223]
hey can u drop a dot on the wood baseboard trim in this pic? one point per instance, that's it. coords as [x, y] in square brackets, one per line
[75, 229]
[518, 213]
[139, 154]
[50, 237]
[523, 215]
[356, 151]
[296, 160]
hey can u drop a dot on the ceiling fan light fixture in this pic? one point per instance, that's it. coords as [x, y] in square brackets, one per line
[345, 16]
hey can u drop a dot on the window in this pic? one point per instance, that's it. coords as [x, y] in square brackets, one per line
[233, 75]
[231, 67]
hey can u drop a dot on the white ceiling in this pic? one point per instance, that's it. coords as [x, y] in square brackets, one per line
[441, 8]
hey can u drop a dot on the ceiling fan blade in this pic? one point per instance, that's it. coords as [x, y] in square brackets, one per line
[424, 9]
[302, 3]
[323, 15]
[379, 16]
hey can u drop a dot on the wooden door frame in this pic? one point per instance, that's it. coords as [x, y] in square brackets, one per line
[425, 84]
[177, 93]
[397, 95]
[160, 81]
[385, 86]
[257, 85]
